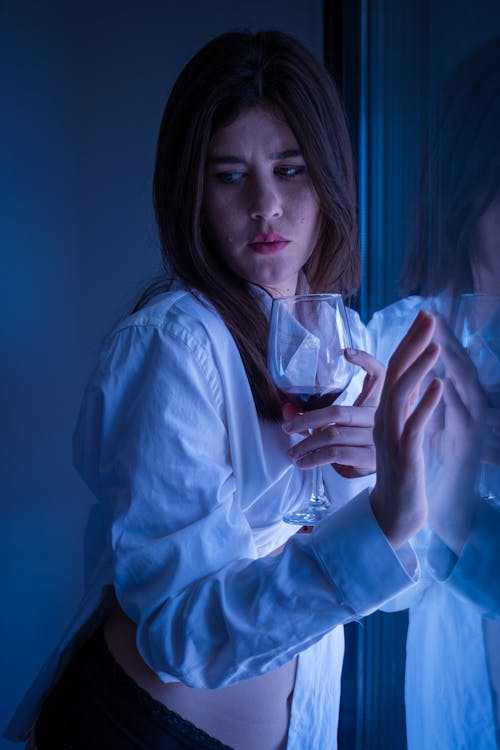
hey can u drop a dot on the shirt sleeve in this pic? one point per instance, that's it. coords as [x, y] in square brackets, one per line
[153, 443]
[474, 574]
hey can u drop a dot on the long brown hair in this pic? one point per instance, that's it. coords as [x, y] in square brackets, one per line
[235, 71]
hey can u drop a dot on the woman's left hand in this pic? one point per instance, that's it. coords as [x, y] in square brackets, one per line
[455, 441]
[343, 435]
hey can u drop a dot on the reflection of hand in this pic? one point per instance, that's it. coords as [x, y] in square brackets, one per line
[452, 466]
[399, 499]
[343, 435]
[455, 439]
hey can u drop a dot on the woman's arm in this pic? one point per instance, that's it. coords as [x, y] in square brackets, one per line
[153, 443]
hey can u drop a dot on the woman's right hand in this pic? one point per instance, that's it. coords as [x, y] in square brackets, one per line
[341, 435]
[399, 500]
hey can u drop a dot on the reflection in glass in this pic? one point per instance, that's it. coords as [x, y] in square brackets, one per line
[452, 682]
[478, 328]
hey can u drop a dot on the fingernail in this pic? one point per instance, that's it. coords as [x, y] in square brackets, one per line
[423, 316]
[351, 352]
[287, 426]
[435, 384]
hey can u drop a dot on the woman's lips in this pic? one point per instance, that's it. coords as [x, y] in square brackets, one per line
[265, 248]
[266, 244]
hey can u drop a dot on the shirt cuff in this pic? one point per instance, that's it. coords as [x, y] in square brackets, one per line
[359, 559]
[474, 573]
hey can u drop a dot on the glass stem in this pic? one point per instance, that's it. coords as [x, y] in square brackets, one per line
[482, 484]
[318, 496]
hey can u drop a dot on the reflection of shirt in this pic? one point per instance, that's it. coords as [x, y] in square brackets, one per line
[482, 341]
[450, 698]
[192, 487]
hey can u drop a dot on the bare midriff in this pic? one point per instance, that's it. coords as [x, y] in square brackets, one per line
[253, 713]
[249, 714]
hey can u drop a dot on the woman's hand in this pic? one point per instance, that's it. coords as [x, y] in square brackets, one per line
[343, 435]
[455, 443]
[399, 500]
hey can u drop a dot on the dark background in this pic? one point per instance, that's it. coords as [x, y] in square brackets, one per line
[82, 89]
[83, 86]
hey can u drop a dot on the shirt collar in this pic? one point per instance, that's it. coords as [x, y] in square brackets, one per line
[265, 299]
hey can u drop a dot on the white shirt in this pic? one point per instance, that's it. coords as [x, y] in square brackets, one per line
[454, 611]
[192, 487]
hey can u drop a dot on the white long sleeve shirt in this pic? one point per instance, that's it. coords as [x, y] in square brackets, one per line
[452, 682]
[191, 488]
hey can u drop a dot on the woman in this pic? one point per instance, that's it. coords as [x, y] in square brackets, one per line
[453, 645]
[219, 621]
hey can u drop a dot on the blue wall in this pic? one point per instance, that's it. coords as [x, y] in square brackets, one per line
[83, 87]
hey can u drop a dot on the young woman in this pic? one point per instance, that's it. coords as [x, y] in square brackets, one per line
[209, 622]
[453, 644]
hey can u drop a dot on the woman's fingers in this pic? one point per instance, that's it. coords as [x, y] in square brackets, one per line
[404, 392]
[399, 499]
[300, 422]
[457, 415]
[374, 379]
[354, 416]
[341, 435]
[411, 346]
[451, 467]
[333, 435]
[350, 449]
[413, 431]
[359, 460]
[459, 367]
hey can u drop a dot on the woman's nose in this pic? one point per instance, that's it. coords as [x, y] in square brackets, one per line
[266, 204]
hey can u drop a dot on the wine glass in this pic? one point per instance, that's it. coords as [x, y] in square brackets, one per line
[478, 328]
[307, 337]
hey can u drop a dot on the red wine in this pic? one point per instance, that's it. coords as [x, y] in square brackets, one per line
[307, 399]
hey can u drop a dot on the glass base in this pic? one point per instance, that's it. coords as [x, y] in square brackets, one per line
[307, 516]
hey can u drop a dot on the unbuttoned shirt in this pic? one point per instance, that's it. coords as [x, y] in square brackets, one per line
[191, 487]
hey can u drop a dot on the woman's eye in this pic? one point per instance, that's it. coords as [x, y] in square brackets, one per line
[290, 172]
[229, 178]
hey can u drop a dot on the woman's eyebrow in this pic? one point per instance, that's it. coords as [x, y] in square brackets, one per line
[226, 160]
[289, 153]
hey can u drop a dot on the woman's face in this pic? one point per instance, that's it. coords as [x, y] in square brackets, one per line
[263, 213]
